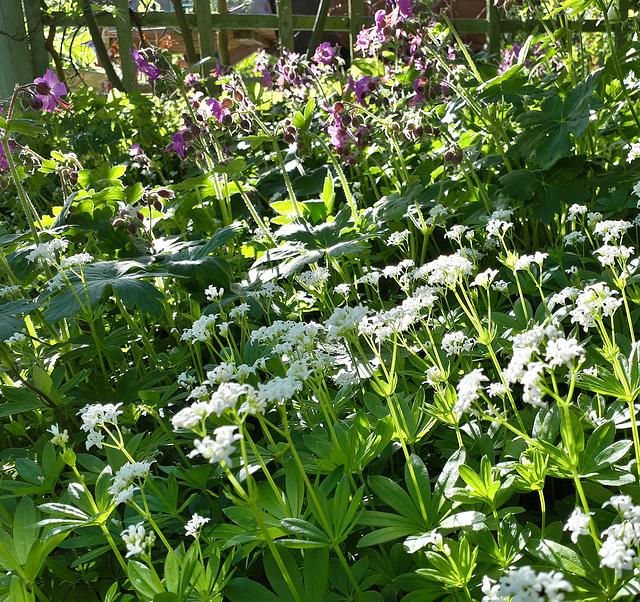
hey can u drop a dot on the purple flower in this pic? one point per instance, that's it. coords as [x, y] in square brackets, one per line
[177, 144]
[363, 87]
[144, 66]
[324, 54]
[218, 109]
[48, 91]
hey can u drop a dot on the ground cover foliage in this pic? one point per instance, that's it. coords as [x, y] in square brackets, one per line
[349, 333]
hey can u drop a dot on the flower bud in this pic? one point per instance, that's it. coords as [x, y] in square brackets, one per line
[132, 229]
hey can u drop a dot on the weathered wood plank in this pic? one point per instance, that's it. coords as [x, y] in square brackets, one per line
[125, 43]
[319, 26]
[14, 48]
[356, 20]
[205, 27]
[35, 28]
[285, 23]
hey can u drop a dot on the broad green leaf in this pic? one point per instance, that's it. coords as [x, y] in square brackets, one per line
[245, 590]
[24, 529]
[102, 278]
[144, 580]
[276, 577]
[304, 529]
[315, 570]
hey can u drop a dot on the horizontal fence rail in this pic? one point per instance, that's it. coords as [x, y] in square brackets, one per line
[211, 25]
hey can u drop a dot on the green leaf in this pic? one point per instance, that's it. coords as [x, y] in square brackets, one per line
[101, 278]
[562, 558]
[143, 579]
[276, 577]
[548, 132]
[395, 497]
[166, 597]
[245, 590]
[316, 573]
[24, 529]
[305, 529]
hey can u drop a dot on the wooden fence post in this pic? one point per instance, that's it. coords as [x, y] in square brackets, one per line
[223, 37]
[494, 33]
[202, 8]
[285, 23]
[125, 43]
[14, 48]
[356, 19]
[318, 26]
[35, 27]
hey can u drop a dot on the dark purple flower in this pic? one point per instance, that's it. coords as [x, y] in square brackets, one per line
[177, 144]
[363, 87]
[324, 54]
[419, 88]
[218, 110]
[144, 66]
[48, 91]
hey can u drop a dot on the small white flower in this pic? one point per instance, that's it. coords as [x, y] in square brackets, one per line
[193, 527]
[468, 390]
[218, 449]
[16, 337]
[578, 524]
[397, 239]
[563, 352]
[576, 210]
[59, 438]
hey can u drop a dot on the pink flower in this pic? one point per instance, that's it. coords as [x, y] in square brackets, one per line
[324, 54]
[48, 91]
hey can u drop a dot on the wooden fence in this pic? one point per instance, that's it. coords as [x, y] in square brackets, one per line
[24, 56]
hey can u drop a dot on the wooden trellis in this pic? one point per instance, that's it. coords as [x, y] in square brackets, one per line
[24, 57]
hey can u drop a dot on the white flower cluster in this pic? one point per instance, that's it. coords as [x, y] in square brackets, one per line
[96, 415]
[312, 278]
[193, 527]
[574, 239]
[619, 550]
[200, 330]
[578, 524]
[9, 291]
[287, 336]
[137, 541]
[76, 260]
[122, 487]
[455, 343]
[268, 290]
[611, 229]
[384, 324]
[448, 270]
[468, 390]
[397, 239]
[218, 449]
[524, 262]
[485, 278]
[608, 254]
[16, 337]
[59, 438]
[525, 585]
[576, 210]
[344, 320]
[46, 252]
[559, 352]
[595, 302]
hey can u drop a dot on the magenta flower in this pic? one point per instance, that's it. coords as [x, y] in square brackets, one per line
[144, 66]
[178, 144]
[324, 54]
[218, 109]
[363, 87]
[48, 92]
